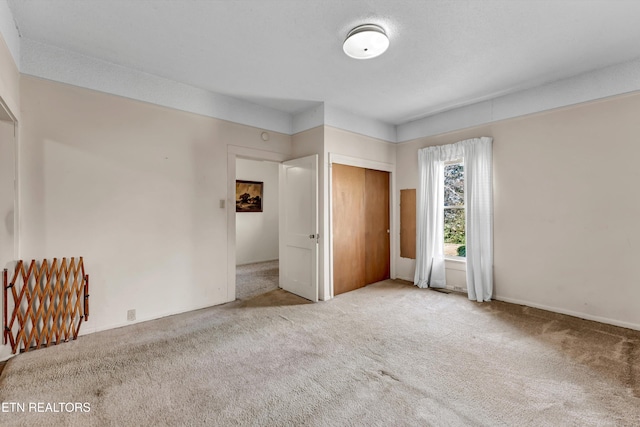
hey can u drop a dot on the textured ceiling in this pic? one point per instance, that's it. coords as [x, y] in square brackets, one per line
[288, 54]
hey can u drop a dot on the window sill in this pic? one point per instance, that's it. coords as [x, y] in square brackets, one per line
[455, 263]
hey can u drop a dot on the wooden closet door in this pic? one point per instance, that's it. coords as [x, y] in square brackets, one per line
[377, 237]
[348, 187]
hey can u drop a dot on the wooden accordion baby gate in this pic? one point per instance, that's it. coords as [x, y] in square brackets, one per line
[49, 302]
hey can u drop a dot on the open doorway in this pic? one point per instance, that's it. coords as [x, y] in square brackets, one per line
[298, 220]
[257, 227]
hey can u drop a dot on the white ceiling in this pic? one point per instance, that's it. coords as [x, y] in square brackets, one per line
[288, 54]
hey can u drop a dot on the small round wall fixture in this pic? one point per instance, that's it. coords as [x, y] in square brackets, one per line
[366, 42]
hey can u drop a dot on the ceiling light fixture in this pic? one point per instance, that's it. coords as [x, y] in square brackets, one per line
[366, 42]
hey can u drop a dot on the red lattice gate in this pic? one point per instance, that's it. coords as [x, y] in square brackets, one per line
[49, 301]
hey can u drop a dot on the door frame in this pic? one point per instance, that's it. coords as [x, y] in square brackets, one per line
[233, 153]
[393, 208]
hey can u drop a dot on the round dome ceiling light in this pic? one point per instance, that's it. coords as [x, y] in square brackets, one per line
[366, 42]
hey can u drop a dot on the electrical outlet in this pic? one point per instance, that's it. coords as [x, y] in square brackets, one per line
[131, 314]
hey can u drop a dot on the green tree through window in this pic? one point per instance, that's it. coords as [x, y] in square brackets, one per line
[454, 212]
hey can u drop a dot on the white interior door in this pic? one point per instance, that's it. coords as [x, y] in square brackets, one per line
[299, 227]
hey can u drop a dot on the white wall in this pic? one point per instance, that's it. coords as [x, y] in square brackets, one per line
[356, 125]
[135, 189]
[62, 65]
[565, 208]
[54, 63]
[257, 232]
[597, 84]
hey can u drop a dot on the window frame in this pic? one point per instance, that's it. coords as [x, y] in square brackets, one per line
[455, 258]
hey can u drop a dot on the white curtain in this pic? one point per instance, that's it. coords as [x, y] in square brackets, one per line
[430, 214]
[430, 266]
[478, 200]
[429, 220]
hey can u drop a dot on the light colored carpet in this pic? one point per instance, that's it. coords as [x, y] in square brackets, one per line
[257, 278]
[388, 354]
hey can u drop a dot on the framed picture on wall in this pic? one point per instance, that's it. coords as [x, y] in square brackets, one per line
[249, 196]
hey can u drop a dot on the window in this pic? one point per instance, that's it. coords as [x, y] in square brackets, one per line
[468, 194]
[454, 212]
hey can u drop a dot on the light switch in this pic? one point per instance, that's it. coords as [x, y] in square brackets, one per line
[222, 203]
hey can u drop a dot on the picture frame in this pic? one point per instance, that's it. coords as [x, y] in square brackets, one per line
[249, 196]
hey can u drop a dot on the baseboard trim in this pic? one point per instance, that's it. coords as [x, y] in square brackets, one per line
[256, 262]
[585, 316]
[87, 331]
[7, 357]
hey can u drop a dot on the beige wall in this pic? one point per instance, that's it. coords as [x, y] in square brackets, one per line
[7, 195]
[566, 208]
[135, 189]
[9, 80]
[8, 234]
[9, 208]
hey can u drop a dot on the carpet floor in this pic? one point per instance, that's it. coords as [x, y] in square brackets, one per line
[257, 278]
[389, 354]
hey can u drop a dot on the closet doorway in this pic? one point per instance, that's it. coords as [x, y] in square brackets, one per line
[361, 224]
